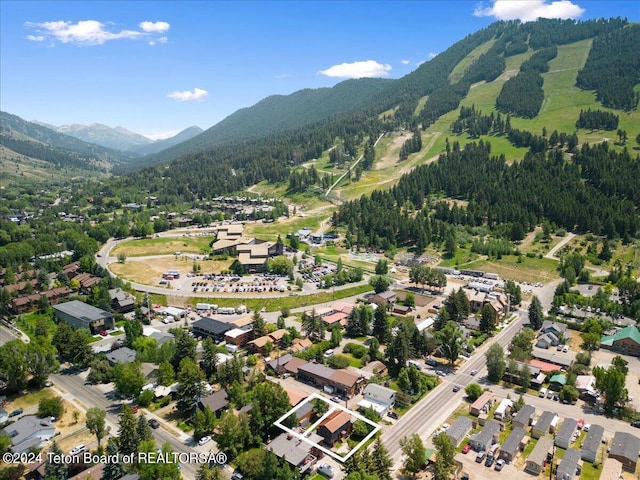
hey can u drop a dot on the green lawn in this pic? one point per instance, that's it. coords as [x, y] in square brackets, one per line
[27, 323]
[276, 304]
[530, 270]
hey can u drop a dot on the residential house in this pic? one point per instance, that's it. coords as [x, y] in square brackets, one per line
[28, 432]
[298, 453]
[459, 430]
[238, 337]
[565, 433]
[87, 281]
[217, 402]
[277, 364]
[592, 443]
[121, 355]
[569, 465]
[557, 328]
[625, 341]
[483, 402]
[335, 427]
[374, 368]
[162, 337]
[557, 381]
[512, 445]
[625, 448]
[554, 357]
[524, 417]
[539, 456]
[544, 366]
[121, 301]
[258, 345]
[545, 424]
[210, 327]
[379, 398]
[82, 315]
[300, 344]
[547, 340]
[384, 299]
[503, 410]
[295, 396]
[486, 437]
[341, 381]
[292, 366]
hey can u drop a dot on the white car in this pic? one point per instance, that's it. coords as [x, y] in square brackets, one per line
[325, 470]
[473, 372]
[445, 427]
[204, 440]
[77, 449]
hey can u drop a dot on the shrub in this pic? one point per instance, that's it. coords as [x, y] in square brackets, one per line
[338, 361]
[355, 349]
[50, 407]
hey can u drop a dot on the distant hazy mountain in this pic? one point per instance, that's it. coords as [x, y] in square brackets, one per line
[118, 138]
[36, 141]
[159, 145]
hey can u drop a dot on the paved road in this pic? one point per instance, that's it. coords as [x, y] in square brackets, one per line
[437, 406]
[73, 387]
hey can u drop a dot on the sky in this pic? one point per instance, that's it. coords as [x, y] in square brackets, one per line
[156, 68]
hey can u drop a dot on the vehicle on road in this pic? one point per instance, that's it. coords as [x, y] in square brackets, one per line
[236, 475]
[473, 372]
[153, 423]
[77, 449]
[456, 388]
[16, 412]
[635, 423]
[204, 440]
[499, 465]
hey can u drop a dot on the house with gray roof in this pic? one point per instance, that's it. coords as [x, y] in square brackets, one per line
[625, 448]
[557, 328]
[547, 340]
[538, 456]
[512, 444]
[592, 443]
[565, 433]
[162, 337]
[121, 355]
[82, 315]
[486, 437]
[524, 417]
[569, 465]
[29, 432]
[545, 424]
[459, 430]
[298, 453]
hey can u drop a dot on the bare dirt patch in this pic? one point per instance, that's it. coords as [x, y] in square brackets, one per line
[149, 270]
[393, 151]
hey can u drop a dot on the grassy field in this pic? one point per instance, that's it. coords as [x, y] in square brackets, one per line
[461, 68]
[28, 321]
[276, 304]
[530, 270]
[145, 247]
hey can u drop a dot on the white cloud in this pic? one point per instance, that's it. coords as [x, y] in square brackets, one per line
[405, 62]
[529, 10]
[91, 32]
[187, 96]
[368, 68]
[163, 40]
[155, 27]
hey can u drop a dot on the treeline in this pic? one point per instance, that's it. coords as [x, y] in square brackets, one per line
[475, 123]
[613, 68]
[301, 179]
[542, 186]
[597, 120]
[546, 32]
[539, 144]
[523, 95]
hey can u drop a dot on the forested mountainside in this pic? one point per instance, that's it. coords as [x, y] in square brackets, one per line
[117, 138]
[413, 102]
[26, 139]
[280, 113]
[159, 145]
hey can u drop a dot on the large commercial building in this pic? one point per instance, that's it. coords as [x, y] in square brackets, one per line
[82, 315]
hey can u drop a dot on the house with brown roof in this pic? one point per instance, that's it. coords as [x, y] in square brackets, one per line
[483, 402]
[384, 299]
[336, 427]
[292, 366]
[342, 381]
[300, 344]
[238, 336]
[258, 345]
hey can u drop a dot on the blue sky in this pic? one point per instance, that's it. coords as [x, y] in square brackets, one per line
[160, 67]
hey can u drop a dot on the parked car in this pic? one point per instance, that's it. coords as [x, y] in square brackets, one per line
[104, 333]
[236, 475]
[466, 448]
[325, 470]
[586, 427]
[393, 415]
[635, 423]
[16, 412]
[580, 424]
[204, 440]
[153, 423]
[480, 456]
[489, 461]
[499, 465]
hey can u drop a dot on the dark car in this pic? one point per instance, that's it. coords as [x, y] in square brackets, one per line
[16, 412]
[489, 461]
[456, 388]
[153, 423]
[393, 415]
[635, 423]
